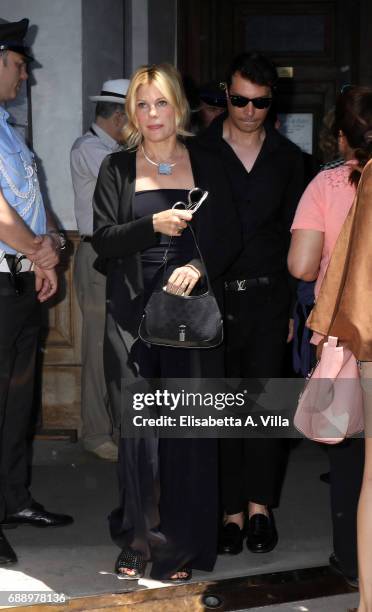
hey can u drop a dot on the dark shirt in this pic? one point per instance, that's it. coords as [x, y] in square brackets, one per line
[179, 249]
[267, 198]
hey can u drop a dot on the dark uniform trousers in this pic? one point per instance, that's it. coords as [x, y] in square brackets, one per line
[256, 333]
[20, 317]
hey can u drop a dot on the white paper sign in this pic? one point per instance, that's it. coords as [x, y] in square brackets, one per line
[298, 127]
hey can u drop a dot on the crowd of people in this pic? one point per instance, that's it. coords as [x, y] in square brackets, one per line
[137, 159]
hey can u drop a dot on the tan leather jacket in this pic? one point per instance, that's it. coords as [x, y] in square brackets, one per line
[344, 304]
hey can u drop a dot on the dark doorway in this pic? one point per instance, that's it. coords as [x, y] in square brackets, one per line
[317, 45]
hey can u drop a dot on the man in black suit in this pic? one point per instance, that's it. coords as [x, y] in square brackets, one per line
[266, 173]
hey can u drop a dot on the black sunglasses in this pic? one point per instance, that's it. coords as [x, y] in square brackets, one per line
[259, 103]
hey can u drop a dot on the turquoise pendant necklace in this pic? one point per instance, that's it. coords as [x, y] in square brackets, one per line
[163, 167]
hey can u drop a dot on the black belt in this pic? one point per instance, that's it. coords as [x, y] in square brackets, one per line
[247, 283]
[86, 238]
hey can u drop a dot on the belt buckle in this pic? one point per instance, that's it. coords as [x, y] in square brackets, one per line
[241, 285]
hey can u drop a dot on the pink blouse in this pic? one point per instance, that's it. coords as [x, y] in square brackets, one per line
[324, 207]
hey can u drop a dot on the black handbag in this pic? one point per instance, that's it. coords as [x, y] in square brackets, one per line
[190, 321]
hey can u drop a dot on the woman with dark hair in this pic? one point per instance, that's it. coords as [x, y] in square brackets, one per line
[168, 487]
[328, 198]
[325, 213]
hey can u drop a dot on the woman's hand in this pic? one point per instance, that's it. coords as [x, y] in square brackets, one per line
[183, 280]
[171, 222]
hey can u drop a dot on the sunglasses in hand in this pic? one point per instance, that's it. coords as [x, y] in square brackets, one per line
[195, 199]
[259, 103]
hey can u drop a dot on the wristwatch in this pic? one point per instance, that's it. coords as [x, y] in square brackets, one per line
[60, 237]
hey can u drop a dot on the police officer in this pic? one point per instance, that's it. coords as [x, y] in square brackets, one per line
[29, 249]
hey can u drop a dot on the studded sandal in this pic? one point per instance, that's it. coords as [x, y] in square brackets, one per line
[130, 560]
[184, 570]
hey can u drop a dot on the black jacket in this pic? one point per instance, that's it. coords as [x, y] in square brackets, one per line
[119, 238]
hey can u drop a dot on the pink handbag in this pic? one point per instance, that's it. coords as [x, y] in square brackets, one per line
[330, 407]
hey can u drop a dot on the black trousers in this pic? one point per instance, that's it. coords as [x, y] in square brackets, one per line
[20, 319]
[256, 331]
[346, 463]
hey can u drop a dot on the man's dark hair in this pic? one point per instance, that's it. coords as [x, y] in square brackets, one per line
[253, 67]
[107, 109]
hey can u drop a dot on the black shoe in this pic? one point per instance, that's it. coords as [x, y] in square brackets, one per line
[231, 539]
[7, 554]
[36, 516]
[335, 565]
[262, 536]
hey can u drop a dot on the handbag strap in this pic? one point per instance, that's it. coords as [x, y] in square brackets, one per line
[165, 258]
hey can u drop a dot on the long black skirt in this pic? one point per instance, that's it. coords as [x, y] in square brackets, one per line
[168, 508]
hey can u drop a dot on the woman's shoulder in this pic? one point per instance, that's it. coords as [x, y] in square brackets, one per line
[124, 156]
[120, 160]
[337, 177]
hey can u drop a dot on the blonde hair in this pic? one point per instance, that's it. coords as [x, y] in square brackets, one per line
[168, 80]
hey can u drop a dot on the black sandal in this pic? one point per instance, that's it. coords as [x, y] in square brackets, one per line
[184, 570]
[130, 560]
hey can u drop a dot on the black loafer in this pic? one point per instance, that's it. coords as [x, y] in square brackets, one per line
[7, 554]
[335, 565]
[262, 536]
[36, 516]
[231, 540]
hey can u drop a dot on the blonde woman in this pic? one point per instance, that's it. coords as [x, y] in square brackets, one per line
[168, 487]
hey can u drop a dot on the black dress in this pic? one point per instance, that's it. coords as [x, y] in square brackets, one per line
[168, 490]
[168, 505]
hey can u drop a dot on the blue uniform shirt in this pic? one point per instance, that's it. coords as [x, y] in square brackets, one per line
[18, 180]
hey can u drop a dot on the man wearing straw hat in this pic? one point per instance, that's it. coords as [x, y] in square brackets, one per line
[87, 153]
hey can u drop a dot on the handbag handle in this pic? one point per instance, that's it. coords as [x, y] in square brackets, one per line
[165, 259]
